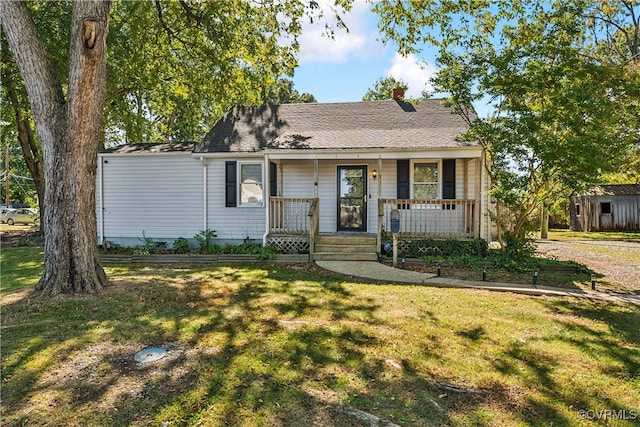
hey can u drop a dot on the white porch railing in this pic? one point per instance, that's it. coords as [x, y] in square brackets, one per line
[430, 218]
[293, 224]
[290, 215]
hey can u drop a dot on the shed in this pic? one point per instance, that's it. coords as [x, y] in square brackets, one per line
[606, 208]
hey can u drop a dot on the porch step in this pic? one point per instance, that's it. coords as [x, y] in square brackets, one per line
[345, 247]
[336, 256]
[347, 238]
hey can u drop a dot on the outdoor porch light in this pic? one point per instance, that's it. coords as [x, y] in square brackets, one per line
[374, 174]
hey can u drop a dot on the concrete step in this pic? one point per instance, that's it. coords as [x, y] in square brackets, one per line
[336, 256]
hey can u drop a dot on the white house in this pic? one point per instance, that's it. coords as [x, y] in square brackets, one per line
[295, 173]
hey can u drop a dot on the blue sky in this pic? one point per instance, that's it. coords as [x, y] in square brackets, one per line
[343, 68]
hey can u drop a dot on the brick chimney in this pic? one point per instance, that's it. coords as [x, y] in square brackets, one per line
[398, 93]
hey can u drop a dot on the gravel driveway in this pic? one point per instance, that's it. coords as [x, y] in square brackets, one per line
[618, 262]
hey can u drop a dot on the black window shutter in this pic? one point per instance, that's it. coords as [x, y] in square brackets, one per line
[273, 179]
[403, 179]
[230, 178]
[449, 179]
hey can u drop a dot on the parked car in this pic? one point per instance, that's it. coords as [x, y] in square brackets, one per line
[21, 216]
[3, 214]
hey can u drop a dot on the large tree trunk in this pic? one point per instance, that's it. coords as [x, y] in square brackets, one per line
[69, 132]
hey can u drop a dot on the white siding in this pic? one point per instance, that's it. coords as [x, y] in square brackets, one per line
[231, 223]
[471, 178]
[160, 195]
[297, 177]
[163, 195]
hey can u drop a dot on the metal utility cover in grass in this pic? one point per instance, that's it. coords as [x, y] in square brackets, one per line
[150, 354]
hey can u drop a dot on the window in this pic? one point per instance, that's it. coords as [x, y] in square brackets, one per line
[250, 179]
[577, 210]
[425, 181]
[605, 208]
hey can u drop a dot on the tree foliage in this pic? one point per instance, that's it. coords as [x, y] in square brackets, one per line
[564, 103]
[383, 89]
[174, 68]
[283, 92]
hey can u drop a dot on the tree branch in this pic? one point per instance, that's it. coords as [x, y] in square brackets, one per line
[41, 81]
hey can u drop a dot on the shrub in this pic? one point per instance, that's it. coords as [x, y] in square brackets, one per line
[249, 248]
[148, 245]
[518, 254]
[204, 240]
[446, 248]
[269, 251]
[181, 245]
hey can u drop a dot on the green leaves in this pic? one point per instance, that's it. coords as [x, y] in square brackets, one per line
[383, 89]
[175, 67]
[563, 89]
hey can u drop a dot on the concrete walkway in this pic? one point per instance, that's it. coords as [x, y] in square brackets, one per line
[383, 273]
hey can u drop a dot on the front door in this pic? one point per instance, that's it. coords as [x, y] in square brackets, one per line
[352, 198]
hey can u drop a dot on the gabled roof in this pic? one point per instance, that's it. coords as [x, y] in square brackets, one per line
[613, 190]
[353, 125]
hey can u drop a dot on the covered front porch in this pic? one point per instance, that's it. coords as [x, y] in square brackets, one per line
[294, 224]
[332, 194]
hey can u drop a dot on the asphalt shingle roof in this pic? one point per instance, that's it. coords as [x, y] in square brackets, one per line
[164, 147]
[353, 125]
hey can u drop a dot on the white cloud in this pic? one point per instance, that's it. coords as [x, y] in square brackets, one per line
[359, 42]
[415, 73]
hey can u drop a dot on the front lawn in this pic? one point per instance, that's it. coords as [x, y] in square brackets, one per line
[264, 344]
[20, 267]
[558, 234]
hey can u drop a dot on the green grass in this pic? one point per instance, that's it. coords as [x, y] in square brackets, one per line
[556, 234]
[20, 267]
[262, 344]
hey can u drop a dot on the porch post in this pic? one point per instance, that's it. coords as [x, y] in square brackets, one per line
[312, 230]
[267, 195]
[205, 193]
[468, 211]
[480, 197]
[315, 178]
[379, 234]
